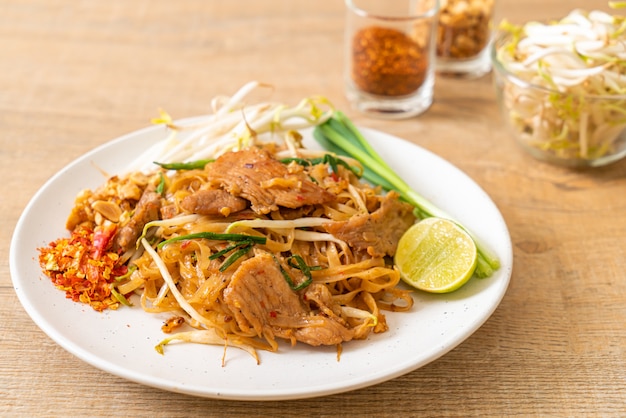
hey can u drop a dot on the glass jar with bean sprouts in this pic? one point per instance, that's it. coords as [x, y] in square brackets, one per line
[561, 87]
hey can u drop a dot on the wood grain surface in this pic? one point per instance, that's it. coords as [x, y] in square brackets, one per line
[76, 74]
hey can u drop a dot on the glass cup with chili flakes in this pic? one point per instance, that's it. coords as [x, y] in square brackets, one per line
[390, 56]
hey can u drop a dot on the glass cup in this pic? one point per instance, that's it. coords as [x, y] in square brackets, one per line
[390, 56]
[464, 34]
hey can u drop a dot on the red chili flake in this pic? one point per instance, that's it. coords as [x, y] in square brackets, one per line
[387, 62]
[102, 237]
[299, 197]
[334, 176]
[273, 314]
[76, 266]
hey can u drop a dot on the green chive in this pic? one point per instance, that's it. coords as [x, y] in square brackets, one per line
[191, 165]
[161, 187]
[302, 266]
[329, 159]
[225, 251]
[120, 298]
[234, 257]
[128, 273]
[215, 236]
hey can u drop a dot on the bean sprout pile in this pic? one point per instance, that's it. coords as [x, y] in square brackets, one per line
[569, 98]
[235, 121]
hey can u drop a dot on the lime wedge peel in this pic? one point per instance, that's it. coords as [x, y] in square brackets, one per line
[436, 255]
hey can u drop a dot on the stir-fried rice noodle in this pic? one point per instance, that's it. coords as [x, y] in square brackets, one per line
[267, 241]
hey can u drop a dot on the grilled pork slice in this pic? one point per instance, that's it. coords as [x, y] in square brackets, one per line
[378, 232]
[333, 329]
[213, 202]
[147, 210]
[267, 183]
[261, 300]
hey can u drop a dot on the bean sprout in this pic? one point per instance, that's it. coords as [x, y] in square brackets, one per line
[234, 123]
[564, 84]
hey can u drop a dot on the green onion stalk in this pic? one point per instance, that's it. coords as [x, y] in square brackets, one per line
[339, 135]
[189, 165]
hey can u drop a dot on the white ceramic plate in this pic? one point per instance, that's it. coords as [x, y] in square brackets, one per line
[122, 342]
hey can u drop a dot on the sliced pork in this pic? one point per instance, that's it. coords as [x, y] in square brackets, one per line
[377, 233]
[213, 202]
[147, 210]
[267, 183]
[261, 300]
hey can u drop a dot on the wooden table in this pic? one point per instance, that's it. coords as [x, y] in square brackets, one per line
[74, 75]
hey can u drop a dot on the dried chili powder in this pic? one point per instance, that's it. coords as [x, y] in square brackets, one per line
[387, 62]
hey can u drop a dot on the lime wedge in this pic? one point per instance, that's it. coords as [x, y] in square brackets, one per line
[436, 255]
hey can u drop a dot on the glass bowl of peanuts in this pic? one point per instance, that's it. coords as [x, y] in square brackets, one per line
[464, 33]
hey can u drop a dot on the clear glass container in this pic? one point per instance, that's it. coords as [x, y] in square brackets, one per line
[464, 34]
[389, 52]
[561, 128]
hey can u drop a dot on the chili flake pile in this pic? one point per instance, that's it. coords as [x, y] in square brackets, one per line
[79, 266]
[387, 62]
